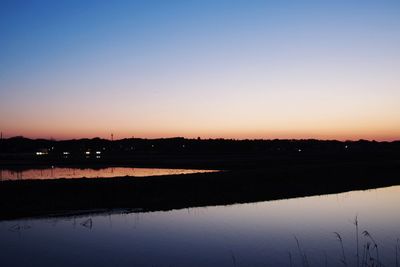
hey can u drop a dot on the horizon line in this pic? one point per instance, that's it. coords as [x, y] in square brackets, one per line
[200, 138]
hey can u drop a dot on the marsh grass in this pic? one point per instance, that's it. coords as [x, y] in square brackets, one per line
[374, 261]
[339, 237]
[233, 258]
[397, 251]
[370, 253]
[303, 255]
[326, 259]
[290, 259]
[357, 240]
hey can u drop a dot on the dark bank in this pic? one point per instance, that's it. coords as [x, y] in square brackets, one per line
[252, 170]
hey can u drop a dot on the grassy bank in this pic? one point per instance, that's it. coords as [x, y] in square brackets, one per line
[42, 197]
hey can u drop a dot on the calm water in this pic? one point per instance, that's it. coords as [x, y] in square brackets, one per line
[258, 234]
[56, 173]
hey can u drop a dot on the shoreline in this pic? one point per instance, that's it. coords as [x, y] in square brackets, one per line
[37, 198]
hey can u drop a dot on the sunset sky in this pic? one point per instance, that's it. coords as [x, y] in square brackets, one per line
[231, 69]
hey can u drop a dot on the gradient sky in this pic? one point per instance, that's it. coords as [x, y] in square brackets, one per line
[232, 69]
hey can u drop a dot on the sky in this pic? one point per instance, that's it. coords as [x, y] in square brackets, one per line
[229, 69]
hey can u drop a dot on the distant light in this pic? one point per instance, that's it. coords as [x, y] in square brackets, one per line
[98, 152]
[66, 153]
[39, 153]
[183, 146]
[346, 146]
[87, 152]
[97, 157]
[299, 150]
[152, 145]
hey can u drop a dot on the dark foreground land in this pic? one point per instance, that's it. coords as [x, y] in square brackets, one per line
[253, 171]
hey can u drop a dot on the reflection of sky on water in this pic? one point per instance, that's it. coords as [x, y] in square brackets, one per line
[55, 173]
[256, 234]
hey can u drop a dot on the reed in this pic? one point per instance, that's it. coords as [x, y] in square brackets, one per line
[368, 235]
[233, 258]
[367, 252]
[303, 256]
[326, 259]
[397, 251]
[290, 259]
[357, 240]
[364, 255]
[343, 260]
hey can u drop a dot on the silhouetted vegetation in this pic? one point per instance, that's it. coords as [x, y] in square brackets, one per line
[370, 256]
[42, 197]
[192, 153]
[255, 170]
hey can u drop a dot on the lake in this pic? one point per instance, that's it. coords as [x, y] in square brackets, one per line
[254, 234]
[109, 172]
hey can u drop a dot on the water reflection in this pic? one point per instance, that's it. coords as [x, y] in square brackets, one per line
[256, 234]
[69, 173]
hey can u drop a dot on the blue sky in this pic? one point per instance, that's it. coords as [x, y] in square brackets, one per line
[241, 69]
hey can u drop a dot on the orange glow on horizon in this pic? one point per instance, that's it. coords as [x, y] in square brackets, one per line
[263, 70]
[340, 136]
